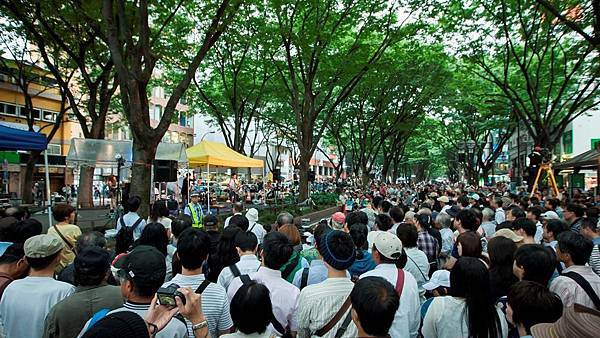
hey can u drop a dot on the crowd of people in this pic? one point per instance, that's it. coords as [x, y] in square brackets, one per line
[427, 261]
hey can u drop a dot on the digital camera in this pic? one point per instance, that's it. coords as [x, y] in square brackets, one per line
[166, 296]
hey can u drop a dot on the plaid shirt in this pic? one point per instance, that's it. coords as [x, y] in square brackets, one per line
[428, 244]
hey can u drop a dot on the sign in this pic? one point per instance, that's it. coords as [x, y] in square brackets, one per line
[577, 181]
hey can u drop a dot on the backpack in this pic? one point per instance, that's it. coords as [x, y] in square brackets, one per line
[125, 234]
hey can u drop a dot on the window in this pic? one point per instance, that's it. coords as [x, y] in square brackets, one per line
[595, 142]
[567, 141]
[182, 120]
[36, 114]
[10, 109]
[50, 116]
[54, 149]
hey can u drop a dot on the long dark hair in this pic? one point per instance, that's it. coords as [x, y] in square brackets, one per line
[225, 254]
[470, 280]
[359, 233]
[154, 234]
[159, 209]
[502, 254]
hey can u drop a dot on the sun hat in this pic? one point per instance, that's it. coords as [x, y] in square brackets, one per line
[507, 233]
[576, 321]
[252, 215]
[438, 278]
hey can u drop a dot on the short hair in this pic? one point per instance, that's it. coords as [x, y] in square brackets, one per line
[505, 225]
[556, 226]
[277, 250]
[577, 209]
[134, 203]
[386, 206]
[467, 219]
[193, 246]
[285, 218]
[376, 201]
[292, 233]
[527, 225]
[577, 246]
[590, 223]
[42, 262]
[180, 224]
[536, 210]
[375, 301]
[488, 214]
[91, 266]
[155, 235]
[444, 219]
[245, 240]
[238, 206]
[552, 203]
[397, 214]
[17, 212]
[532, 303]
[239, 221]
[61, 211]
[408, 235]
[356, 217]
[517, 212]
[499, 202]
[13, 253]
[537, 262]
[255, 296]
[470, 244]
[90, 239]
[383, 222]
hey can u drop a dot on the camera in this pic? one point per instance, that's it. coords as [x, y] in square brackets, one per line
[166, 296]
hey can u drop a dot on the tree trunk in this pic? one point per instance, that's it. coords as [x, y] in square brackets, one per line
[143, 154]
[85, 195]
[26, 193]
[303, 166]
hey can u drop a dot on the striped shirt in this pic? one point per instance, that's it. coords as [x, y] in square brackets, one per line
[215, 304]
[595, 256]
[319, 303]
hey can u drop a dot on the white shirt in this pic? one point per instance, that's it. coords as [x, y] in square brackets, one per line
[26, 302]
[215, 304]
[284, 296]
[408, 317]
[165, 221]
[539, 233]
[500, 216]
[418, 265]
[257, 230]
[570, 292]
[129, 219]
[446, 318]
[246, 265]
[226, 224]
[238, 334]
[319, 303]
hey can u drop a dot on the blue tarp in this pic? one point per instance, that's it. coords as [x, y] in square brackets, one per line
[15, 139]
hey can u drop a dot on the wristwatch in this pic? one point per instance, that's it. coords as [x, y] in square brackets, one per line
[200, 325]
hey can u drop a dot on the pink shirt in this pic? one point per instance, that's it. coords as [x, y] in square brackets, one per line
[570, 292]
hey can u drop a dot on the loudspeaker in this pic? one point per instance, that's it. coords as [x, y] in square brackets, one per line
[276, 175]
[165, 171]
[311, 176]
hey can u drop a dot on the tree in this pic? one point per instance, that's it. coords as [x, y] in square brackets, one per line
[327, 47]
[138, 41]
[583, 17]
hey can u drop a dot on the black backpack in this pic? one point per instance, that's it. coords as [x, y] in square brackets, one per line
[125, 234]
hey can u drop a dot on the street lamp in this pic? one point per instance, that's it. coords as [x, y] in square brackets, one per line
[120, 162]
[205, 134]
[470, 150]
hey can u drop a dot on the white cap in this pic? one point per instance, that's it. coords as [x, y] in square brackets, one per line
[388, 244]
[252, 215]
[438, 278]
[550, 215]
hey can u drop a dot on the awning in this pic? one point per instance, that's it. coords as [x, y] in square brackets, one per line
[588, 160]
[15, 139]
[218, 154]
[102, 153]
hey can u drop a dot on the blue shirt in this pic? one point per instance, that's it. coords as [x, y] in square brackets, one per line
[317, 272]
[198, 208]
[596, 240]
[362, 265]
[129, 219]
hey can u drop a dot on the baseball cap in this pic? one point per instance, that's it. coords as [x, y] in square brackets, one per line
[474, 196]
[453, 211]
[41, 246]
[337, 220]
[144, 262]
[438, 278]
[210, 220]
[443, 199]
[194, 193]
[388, 244]
[508, 234]
[549, 215]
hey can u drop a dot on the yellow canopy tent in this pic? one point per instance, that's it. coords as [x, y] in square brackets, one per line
[207, 153]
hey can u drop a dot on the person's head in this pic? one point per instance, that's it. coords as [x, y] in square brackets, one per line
[514, 212]
[408, 235]
[63, 213]
[396, 214]
[337, 221]
[13, 261]
[193, 246]
[534, 213]
[374, 305]
[356, 217]
[254, 296]
[210, 222]
[553, 228]
[535, 263]
[141, 272]
[154, 234]
[195, 197]
[487, 214]
[43, 252]
[245, 242]
[409, 217]
[91, 266]
[469, 279]
[383, 222]
[501, 251]
[239, 221]
[90, 239]
[276, 250]
[469, 244]
[385, 206]
[524, 227]
[443, 220]
[590, 228]
[531, 303]
[423, 221]
[159, 209]
[238, 207]
[337, 249]
[465, 221]
[15, 231]
[496, 202]
[573, 212]
[387, 248]
[291, 232]
[19, 213]
[121, 324]
[573, 248]
[134, 203]
[284, 218]
[551, 204]
[359, 233]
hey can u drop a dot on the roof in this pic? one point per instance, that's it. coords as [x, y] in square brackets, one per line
[15, 139]
[589, 159]
[218, 154]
